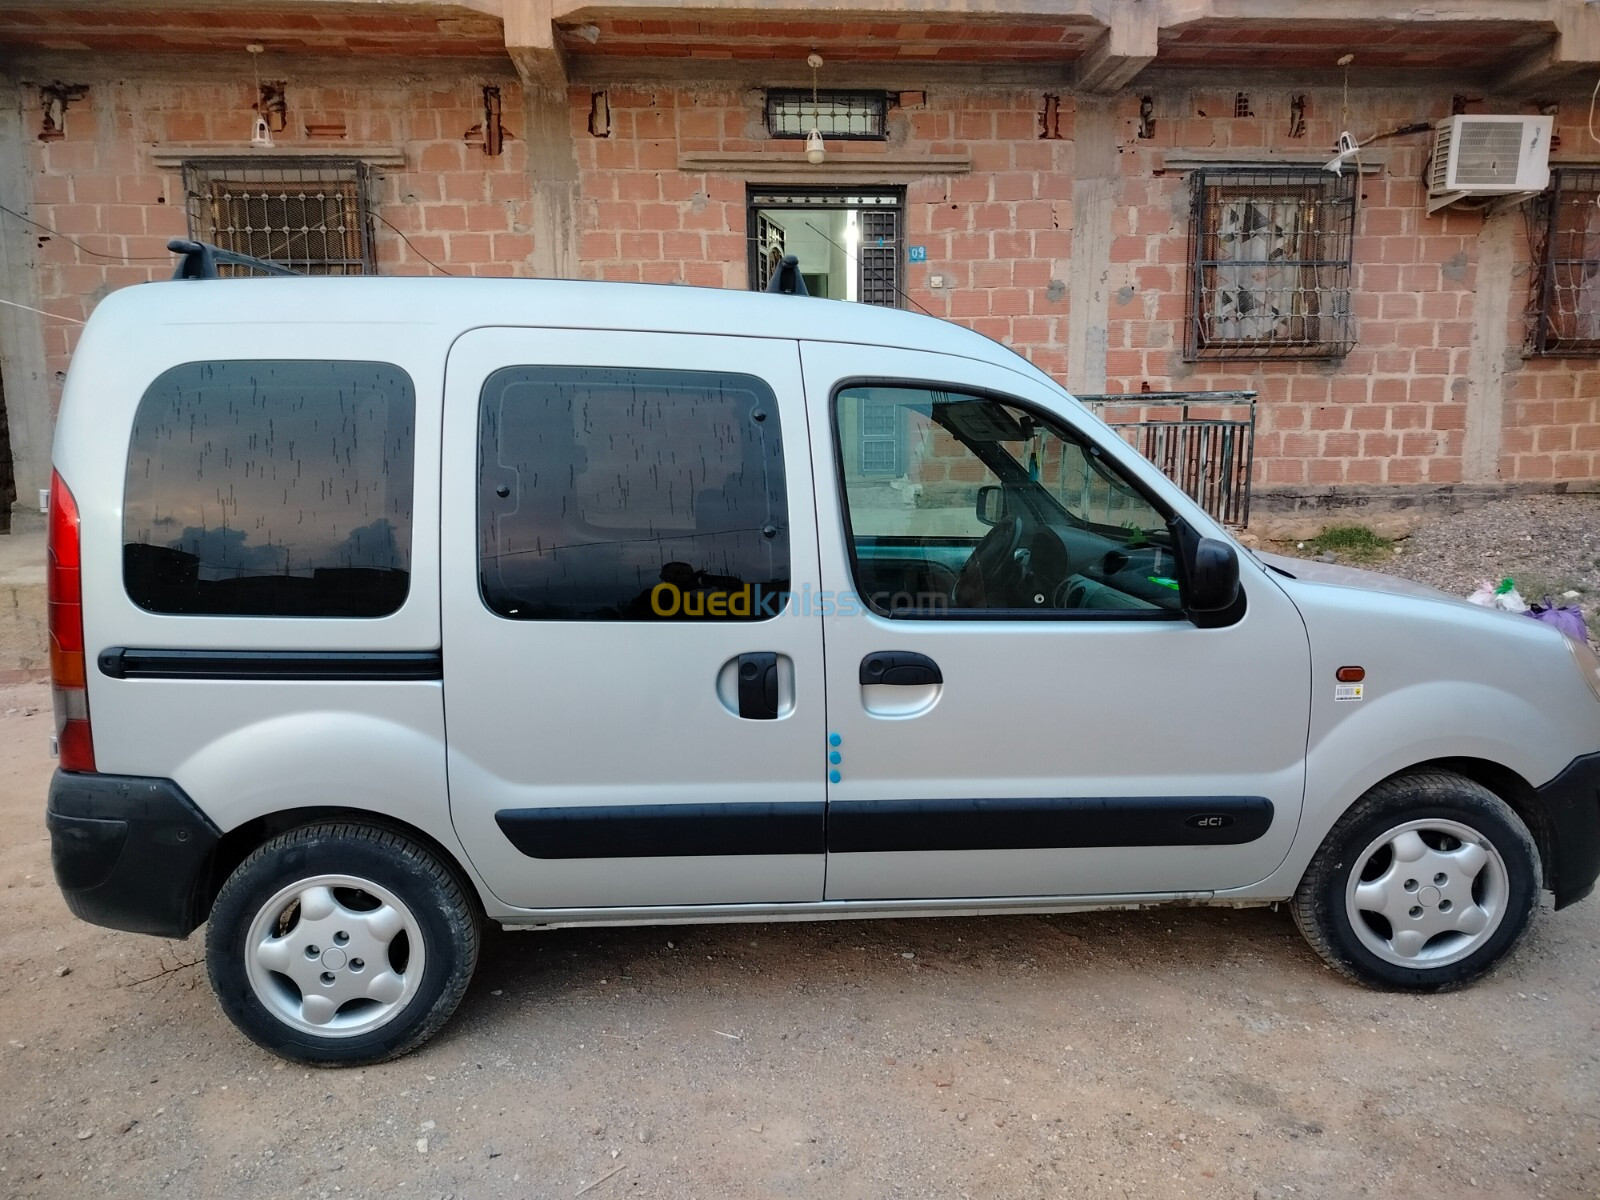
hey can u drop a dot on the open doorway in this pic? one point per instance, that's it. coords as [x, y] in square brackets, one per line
[847, 240]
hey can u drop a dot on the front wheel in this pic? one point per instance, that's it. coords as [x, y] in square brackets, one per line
[341, 945]
[1423, 885]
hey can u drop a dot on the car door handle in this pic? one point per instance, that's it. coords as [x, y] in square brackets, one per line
[900, 668]
[758, 686]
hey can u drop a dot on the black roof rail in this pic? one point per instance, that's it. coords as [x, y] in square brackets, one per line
[201, 259]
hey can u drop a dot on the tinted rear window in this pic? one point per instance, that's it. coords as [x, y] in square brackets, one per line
[271, 488]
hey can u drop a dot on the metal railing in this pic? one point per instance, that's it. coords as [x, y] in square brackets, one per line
[1203, 441]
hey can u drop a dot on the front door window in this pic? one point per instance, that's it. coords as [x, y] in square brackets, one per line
[964, 503]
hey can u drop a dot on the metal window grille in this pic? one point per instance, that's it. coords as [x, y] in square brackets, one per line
[1568, 317]
[1203, 441]
[847, 116]
[882, 437]
[769, 250]
[310, 215]
[1270, 264]
[880, 258]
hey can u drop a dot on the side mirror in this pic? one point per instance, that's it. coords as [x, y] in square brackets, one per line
[991, 507]
[1213, 577]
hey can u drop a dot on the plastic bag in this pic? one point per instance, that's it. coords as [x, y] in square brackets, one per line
[1566, 617]
[1502, 595]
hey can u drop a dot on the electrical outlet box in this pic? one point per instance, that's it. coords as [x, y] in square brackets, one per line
[44, 500]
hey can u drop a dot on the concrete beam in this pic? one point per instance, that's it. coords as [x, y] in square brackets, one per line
[791, 10]
[1575, 49]
[1127, 47]
[532, 44]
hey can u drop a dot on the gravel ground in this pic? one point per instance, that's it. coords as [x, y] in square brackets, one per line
[1172, 1053]
[1548, 544]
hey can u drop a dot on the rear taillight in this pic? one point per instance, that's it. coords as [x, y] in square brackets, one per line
[68, 674]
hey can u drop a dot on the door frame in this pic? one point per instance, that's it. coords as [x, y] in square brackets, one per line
[891, 196]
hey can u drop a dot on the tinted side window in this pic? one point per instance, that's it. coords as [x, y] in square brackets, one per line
[631, 495]
[271, 488]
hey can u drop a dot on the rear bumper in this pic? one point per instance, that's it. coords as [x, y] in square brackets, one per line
[129, 852]
[1571, 803]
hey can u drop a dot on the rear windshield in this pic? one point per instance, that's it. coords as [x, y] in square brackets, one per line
[271, 488]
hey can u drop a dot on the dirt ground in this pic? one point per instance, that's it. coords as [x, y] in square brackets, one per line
[1177, 1052]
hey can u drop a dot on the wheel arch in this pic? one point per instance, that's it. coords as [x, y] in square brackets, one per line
[244, 839]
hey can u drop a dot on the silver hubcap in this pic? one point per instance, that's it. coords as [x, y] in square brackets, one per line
[1427, 893]
[334, 955]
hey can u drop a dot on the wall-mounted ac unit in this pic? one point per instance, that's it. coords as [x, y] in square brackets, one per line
[1489, 156]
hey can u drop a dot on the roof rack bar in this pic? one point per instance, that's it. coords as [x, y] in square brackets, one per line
[201, 259]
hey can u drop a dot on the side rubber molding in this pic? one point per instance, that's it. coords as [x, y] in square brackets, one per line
[129, 852]
[663, 830]
[1571, 803]
[1045, 823]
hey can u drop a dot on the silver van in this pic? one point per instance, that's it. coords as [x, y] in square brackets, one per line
[383, 608]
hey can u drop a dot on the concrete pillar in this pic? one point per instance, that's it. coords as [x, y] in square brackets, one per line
[27, 390]
[1498, 245]
[553, 182]
[1094, 196]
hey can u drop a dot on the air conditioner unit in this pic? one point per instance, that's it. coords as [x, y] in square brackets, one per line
[1489, 156]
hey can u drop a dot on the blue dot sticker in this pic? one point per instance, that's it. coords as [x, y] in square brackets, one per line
[835, 757]
[834, 777]
[834, 739]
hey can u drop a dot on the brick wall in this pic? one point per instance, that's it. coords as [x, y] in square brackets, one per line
[1000, 235]
[1394, 410]
[99, 184]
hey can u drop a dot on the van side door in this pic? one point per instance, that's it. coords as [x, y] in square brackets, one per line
[634, 711]
[1021, 706]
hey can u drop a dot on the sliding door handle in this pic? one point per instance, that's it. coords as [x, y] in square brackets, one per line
[758, 686]
[900, 668]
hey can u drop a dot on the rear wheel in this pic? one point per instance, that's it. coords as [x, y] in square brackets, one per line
[339, 945]
[1424, 885]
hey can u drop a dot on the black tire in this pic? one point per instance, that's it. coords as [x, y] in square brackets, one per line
[1325, 907]
[429, 900]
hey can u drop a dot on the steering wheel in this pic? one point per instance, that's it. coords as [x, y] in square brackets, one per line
[993, 576]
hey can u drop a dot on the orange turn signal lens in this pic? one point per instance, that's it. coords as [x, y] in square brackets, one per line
[1350, 674]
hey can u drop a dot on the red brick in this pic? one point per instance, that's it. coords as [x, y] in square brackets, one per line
[1129, 249]
[444, 217]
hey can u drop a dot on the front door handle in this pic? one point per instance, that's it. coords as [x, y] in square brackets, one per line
[900, 668]
[758, 686]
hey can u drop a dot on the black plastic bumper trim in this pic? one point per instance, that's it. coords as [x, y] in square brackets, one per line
[663, 830]
[306, 665]
[129, 852]
[1045, 823]
[1571, 803]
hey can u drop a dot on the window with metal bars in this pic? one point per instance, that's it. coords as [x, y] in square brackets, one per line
[310, 215]
[882, 431]
[1568, 310]
[847, 116]
[1269, 260]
